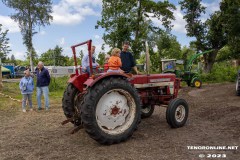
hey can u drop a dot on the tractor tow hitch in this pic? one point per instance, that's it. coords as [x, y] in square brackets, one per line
[67, 121]
[76, 127]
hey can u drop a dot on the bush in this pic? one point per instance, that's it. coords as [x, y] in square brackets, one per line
[58, 84]
[221, 72]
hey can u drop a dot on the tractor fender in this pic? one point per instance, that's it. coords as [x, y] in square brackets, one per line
[193, 78]
[91, 82]
[78, 80]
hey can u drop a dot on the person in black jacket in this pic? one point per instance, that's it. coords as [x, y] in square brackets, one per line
[128, 61]
[43, 81]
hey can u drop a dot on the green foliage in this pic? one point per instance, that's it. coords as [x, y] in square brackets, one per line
[230, 17]
[225, 54]
[54, 57]
[4, 43]
[193, 10]
[208, 34]
[221, 72]
[126, 20]
[58, 84]
[101, 59]
[30, 14]
[167, 47]
[186, 54]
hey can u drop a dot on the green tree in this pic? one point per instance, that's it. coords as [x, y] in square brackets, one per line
[4, 43]
[230, 17]
[208, 34]
[129, 20]
[226, 53]
[13, 59]
[167, 47]
[30, 14]
[54, 57]
[186, 54]
[34, 57]
[101, 58]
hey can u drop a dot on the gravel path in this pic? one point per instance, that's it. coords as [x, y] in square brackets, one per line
[214, 120]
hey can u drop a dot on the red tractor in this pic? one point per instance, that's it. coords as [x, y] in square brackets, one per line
[110, 105]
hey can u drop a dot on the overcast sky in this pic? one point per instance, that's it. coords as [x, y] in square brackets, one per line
[74, 21]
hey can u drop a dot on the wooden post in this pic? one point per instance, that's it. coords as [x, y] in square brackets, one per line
[1, 85]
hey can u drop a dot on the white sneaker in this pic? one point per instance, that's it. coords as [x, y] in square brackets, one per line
[31, 109]
[24, 110]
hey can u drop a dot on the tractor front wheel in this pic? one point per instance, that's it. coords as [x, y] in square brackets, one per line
[147, 111]
[111, 111]
[177, 113]
[197, 83]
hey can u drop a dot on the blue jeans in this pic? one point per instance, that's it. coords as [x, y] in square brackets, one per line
[42, 90]
[25, 98]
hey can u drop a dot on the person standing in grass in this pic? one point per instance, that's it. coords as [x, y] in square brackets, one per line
[26, 86]
[43, 81]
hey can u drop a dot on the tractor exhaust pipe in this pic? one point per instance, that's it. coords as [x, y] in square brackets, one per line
[147, 58]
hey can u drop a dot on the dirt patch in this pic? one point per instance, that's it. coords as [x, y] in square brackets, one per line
[213, 121]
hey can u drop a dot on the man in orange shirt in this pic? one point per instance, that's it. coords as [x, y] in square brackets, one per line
[114, 62]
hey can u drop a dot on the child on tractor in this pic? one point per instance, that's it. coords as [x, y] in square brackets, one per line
[105, 67]
[114, 62]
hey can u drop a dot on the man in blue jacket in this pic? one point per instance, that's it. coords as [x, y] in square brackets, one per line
[43, 80]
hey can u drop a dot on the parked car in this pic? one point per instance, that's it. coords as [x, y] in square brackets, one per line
[19, 71]
[11, 67]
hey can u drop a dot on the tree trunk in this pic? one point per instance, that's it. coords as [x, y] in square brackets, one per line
[138, 20]
[208, 67]
[30, 45]
[31, 61]
[209, 60]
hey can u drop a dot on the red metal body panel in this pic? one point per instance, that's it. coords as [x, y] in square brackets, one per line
[78, 81]
[176, 87]
[89, 43]
[152, 78]
[156, 95]
[105, 75]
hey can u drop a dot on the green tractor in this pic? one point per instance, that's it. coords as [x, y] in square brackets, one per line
[191, 78]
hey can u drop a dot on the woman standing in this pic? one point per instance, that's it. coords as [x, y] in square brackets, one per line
[26, 86]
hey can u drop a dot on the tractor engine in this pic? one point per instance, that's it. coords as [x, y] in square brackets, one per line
[156, 89]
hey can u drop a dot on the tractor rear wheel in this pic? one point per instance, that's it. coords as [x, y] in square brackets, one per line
[177, 113]
[111, 111]
[147, 111]
[70, 104]
[238, 85]
[197, 83]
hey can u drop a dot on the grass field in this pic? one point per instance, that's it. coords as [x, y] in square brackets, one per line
[12, 89]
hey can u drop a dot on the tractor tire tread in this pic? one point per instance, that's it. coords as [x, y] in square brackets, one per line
[89, 106]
